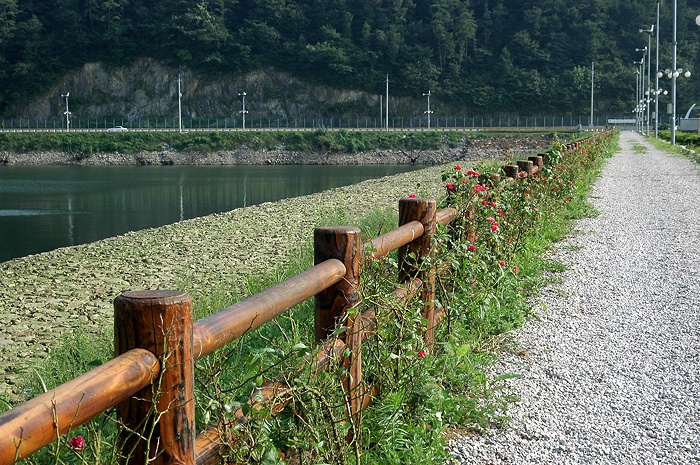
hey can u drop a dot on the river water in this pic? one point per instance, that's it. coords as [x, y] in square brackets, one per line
[47, 207]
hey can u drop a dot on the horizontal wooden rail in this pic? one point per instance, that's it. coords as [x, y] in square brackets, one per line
[380, 246]
[217, 330]
[37, 422]
[446, 216]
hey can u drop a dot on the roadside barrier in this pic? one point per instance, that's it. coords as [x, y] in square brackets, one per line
[157, 343]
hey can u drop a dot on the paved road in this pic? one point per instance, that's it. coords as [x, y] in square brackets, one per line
[612, 367]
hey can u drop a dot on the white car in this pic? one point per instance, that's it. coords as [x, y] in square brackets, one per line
[118, 129]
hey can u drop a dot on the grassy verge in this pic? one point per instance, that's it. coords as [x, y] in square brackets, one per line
[491, 260]
[318, 140]
[690, 143]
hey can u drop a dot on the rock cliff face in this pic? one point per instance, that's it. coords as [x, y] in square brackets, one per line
[147, 88]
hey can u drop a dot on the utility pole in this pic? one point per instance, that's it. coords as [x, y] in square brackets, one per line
[387, 102]
[67, 113]
[428, 112]
[647, 93]
[656, 81]
[242, 93]
[674, 73]
[179, 102]
[592, 74]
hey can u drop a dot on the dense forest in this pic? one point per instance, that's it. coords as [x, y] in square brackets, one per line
[485, 55]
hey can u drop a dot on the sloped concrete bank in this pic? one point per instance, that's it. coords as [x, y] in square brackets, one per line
[47, 297]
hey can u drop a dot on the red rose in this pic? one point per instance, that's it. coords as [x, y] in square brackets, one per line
[77, 442]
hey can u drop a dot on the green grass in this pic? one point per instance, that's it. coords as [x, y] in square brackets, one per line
[639, 148]
[690, 141]
[84, 144]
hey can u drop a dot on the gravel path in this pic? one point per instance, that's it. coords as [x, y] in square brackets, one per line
[611, 369]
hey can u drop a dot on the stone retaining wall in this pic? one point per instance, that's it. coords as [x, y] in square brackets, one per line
[470, 149]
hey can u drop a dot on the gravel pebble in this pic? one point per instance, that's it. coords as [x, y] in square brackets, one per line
[611, 368]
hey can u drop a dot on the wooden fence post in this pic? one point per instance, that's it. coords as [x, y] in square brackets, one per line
[511, 171]
[158, 420]
[331, 306]
[422, 210]
[537, 160]
[342, 243]
[526, 166]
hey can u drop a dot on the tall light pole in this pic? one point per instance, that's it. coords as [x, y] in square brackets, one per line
[243, 111]
[179, 102]
[674, 74]
[67, 113]
[387, 102]
[641, 88]
[590, 126]
[648, 89]
[656, 80]
[428, 112]
[638, 103]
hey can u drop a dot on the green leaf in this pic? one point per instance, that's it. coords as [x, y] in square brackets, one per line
[462, 350]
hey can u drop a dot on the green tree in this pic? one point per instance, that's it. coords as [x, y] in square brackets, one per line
[204, 25]
[8, 23]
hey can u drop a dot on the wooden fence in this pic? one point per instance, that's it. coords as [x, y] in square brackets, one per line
[157, 343]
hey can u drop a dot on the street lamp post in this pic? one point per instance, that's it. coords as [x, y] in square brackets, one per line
[179, 102]
[243, 111]
[645, 51]
[648, 88]
[674, 74]
[638, 103]
[387, 102]
[428, 112]
[67, 113]
[591, 125]
[656, 80]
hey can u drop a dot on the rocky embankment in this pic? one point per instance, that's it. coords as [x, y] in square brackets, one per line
[469, 150]
[50, 297]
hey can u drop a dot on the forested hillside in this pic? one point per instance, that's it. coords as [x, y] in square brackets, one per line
[484, 55]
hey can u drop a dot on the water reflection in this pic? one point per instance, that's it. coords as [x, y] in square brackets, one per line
[43, 208]
[71, 226]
